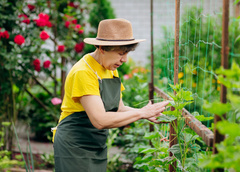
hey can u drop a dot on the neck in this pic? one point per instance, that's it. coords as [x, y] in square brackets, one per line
[97, 56]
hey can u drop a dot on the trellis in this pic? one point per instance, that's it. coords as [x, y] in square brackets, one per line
[209, 137]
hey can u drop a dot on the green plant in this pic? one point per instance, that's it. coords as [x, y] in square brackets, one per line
[229, 149]
[5, 156]
[113, 161]
[186, 152]
[199, 52]
[48, 159]
[37, 41]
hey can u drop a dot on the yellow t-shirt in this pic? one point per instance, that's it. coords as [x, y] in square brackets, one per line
[81, 80]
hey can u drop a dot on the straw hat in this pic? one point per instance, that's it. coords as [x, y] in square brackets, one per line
[113, 32]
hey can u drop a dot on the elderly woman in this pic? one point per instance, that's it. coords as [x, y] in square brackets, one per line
[92, 102]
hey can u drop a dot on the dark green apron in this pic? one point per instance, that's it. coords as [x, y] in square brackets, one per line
[78, 145]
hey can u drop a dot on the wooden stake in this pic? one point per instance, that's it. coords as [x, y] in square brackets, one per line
[224, 62]
[173, 138]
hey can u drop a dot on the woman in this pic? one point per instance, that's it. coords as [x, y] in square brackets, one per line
[92, 102]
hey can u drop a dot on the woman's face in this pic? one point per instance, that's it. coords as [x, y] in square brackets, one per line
[113, 59]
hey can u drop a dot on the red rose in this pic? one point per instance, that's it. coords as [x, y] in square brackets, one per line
[31, 7]
[79, 47]
[81, 31]
[25, 18]
[71, 4]
[43, 20]
[43, 16]
[48, 24]
[44, 35]
[4, 34]
[77, 27]
[46, 64]
[27, 21]
[22, 15]
[37, 68]
[74, 21]
[40, 22]
[19, 39]
[61, 48]
[36, 62]
[67, 23]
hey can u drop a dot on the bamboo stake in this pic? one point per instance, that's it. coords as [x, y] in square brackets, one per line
[172, 136]
[224, 62]
[152, 64]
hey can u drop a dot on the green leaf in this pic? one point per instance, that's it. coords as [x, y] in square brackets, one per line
[175, 87]
[182, 105]
[6, 123]
[175, 149]
[186, 95]
[236, 1]
[151, 135]
[217, 108]
[166, 118]
[149, 150]
[232, 129]
[203, 118]
[172, 96]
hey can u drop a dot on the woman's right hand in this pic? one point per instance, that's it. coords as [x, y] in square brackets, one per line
[153, 110]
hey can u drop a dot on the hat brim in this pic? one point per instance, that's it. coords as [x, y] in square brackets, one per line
[94, 41]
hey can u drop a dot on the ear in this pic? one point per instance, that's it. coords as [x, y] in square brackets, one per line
[101, 50]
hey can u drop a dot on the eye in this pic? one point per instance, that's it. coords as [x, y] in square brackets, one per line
[122, 53]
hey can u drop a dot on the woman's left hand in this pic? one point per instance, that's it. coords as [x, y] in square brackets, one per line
[154, 119]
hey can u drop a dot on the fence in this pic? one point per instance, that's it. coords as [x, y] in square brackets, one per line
[194, 68]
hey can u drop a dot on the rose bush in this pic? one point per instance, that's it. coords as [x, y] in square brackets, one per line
[37, 40]
[34, 40]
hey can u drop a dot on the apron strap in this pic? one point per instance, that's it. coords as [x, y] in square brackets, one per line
[95, 71]
[92, 70]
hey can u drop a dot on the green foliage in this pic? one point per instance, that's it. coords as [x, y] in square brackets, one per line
[19, 76]
[40, 120]
[156, 158]
[229, 149]
[48, 159]
[217, 108]
[5, 156]
[136, 86]
[199, 52]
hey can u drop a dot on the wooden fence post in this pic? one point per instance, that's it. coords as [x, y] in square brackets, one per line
[172, 136]
[151, 84]
[224, 62]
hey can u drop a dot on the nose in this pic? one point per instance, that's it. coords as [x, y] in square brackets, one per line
[124, 58]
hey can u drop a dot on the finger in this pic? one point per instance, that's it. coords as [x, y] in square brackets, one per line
[149, 102]
[163, 103]
[160, 105]
[153, 119]
[158, 111]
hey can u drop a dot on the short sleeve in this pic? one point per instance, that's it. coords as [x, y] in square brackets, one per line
[84, 83]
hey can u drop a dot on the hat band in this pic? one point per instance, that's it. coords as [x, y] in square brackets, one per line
[100, 39]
